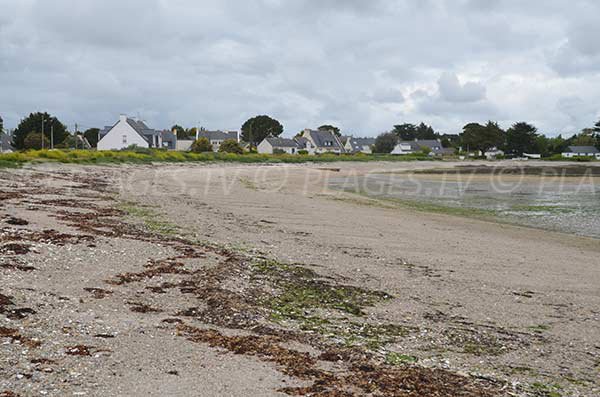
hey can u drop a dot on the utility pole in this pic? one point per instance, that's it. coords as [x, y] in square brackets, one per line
[52, 136]
[75, 135]
[42, 132]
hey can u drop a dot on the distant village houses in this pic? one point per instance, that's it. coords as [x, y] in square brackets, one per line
[418, 145]
[273, 145]
[322, 142]
[216, 138]
[309, 141]
[359, 145]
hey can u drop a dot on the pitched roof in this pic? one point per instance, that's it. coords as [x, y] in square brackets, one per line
[583, 149]
[358, 144]
[325, 139]
[168, 136]
[139, 126]
[281, 142]
[218, 135]
[5, 142]
[433, 144]
[302, 141]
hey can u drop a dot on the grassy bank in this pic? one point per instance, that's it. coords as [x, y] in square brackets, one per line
[153, 156]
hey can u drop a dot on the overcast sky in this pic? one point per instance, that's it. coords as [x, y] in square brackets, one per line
[363, 65]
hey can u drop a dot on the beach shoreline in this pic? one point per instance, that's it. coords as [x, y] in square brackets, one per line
[504, 302]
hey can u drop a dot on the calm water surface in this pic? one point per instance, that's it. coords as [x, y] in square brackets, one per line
[566, 204]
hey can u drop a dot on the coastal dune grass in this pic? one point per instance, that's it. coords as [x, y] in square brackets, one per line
[156, 155]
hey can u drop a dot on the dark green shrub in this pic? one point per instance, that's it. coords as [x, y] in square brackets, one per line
[231, 146]
[201, 145]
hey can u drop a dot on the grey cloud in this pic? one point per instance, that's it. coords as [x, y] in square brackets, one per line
[388, 95]
[346, 62]
[452, 90]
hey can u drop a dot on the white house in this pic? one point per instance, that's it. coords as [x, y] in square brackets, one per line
[416, 146]
[305, 145]
[322, 142]
[582, 151]
[493, 153]
[127, 132]
[359, 145]
[5, 143]
[271, 144]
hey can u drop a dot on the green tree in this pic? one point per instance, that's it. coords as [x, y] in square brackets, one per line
[585, 138]
[425, 131]
[258, 128]
[385, 142]
[521, 138]
[482, 137]
[332, 128]
[406, 131]
[190, 133]
[557, 145]
[33, 140]
[596, 128]
[33, 123]
[201, 145]
[91, 134]
[542, 145]
[70, 142]
[410, 132]
[230, 146]
[179, 131]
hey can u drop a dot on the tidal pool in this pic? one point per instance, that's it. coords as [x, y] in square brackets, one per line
[569, 204]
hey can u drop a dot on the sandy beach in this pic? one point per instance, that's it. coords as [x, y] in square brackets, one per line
[185, 280]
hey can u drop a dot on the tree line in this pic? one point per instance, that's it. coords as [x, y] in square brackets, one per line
[37, 129]
[520, 138]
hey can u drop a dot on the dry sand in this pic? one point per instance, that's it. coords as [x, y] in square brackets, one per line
[512, 305]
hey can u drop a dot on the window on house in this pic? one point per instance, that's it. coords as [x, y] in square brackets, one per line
[124, 138]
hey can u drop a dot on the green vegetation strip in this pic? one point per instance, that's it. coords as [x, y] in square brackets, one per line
[144, 156]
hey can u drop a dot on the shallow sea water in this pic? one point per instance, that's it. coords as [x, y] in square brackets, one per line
[565, 204]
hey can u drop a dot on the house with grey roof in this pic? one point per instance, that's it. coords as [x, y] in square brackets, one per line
[359, 145]
[272, 144]
[410, 147]
[6, 143]
[304, 144]
[216, 138]
[169, 139]
[127, 132]
[582, 151]
[322, 142]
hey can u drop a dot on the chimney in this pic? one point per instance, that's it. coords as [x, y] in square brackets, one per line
[123, 118]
